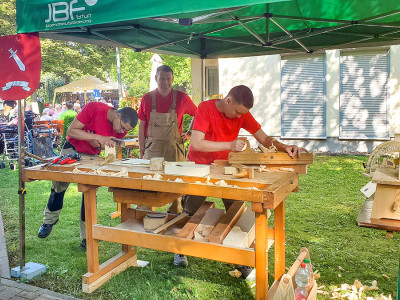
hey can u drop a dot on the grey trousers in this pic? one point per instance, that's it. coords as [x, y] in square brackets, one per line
[191, 203]
[54, 205]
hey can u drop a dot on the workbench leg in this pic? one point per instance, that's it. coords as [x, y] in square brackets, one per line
[92, 246]
[124, 216]
[261, 242]
[279, 214]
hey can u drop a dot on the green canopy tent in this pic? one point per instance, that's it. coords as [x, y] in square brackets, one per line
[211, 29]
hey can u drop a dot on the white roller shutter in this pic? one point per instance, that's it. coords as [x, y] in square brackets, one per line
[303, 97]
[363, 96]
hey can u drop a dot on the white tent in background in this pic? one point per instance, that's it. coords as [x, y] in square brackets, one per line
[88, 83]
[156, 61]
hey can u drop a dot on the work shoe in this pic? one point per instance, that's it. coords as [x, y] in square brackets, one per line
[45, 230]
[83, 244]
[180, 260]
[245, 270]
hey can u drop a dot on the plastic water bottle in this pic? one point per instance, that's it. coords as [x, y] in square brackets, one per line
[310, 272]
[301, 277]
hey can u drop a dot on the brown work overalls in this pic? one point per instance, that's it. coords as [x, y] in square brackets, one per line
[164, 139]
[163, 136]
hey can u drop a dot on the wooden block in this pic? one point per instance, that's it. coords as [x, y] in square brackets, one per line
[153, 221]
[110, 150]
[188, 230]
[156, 163]
[207, 224]
[230, 170]
[386, 202]
[182, 169]
[226, 222]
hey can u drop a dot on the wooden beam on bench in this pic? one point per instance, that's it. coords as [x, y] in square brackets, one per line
[226, 222]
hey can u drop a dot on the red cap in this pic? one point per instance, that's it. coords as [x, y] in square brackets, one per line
[303, 265]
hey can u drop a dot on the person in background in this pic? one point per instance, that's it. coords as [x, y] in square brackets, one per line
[57, 111]
[77, 107]
[29, 116]
[92, 129]
[51, 109]
[68, 116]
[46, 115]
[167, 106]
[64, 106]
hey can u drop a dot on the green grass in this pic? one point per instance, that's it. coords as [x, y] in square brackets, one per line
[321, 216]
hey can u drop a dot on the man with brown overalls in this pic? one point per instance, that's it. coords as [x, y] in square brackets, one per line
[160, 122]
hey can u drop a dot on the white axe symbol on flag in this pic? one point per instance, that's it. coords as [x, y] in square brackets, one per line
[17, 59]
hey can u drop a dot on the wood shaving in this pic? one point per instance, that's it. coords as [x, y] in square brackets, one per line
[387, 277]
[155, 177]
[77, 171]
[252, 188]
[178, 179]
[286, 169]
[122, 173]
[222, 183]
[340, 268]
[270, 149]
[110, 158]
[235, 273]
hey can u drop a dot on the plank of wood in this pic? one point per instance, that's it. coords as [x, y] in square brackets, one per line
[226, 222]
[207, 224]
[168, 224]
[271, 158]
[369, 189]
[187, 231]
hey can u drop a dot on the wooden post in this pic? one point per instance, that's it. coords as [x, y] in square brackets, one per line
[261, 255]
[92, 246]
[279, 240]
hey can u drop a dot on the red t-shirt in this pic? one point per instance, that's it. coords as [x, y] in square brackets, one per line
[218, 128]
[94, 116]
[184, 105]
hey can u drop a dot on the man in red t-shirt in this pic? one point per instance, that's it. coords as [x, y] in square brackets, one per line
[215, 133]
[93, 128]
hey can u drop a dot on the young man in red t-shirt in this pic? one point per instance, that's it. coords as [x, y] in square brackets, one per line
[215, 133]
[93, 128]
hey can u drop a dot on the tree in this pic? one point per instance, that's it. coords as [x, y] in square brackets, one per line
[8, 24]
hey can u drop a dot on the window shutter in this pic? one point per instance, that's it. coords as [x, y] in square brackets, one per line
[363, 96]
[303, 98]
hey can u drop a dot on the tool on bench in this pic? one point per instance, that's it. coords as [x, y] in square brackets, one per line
[66, 159]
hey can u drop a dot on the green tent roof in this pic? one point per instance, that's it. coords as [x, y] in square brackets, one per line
[211, 28]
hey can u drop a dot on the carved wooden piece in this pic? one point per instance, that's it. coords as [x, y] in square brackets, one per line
[188, 230]
[282, 158]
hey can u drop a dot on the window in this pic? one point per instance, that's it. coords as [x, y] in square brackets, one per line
[363, 96]
[212, 87]
[303, 98]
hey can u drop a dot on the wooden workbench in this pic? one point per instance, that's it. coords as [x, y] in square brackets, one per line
[265, 191]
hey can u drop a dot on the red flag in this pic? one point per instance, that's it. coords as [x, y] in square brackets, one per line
[20, 64]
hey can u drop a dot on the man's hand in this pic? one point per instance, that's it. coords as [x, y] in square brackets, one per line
[238, 145]
[105, 140]
[293, 150]
[185, 136]
[94, 144]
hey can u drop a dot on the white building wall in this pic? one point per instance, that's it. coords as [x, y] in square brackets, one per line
[262, 74]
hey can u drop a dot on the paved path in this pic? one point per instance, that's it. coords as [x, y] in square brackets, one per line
[13, 290]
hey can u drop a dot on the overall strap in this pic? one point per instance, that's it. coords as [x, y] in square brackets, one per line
[173, 105]
[153, 101]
